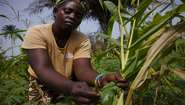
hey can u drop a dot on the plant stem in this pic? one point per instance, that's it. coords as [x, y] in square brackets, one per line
[130, 40]
[122, 38]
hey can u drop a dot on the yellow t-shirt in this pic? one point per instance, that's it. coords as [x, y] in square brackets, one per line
[41, 36]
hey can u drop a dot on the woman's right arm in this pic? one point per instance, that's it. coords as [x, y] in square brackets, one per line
[42, 66]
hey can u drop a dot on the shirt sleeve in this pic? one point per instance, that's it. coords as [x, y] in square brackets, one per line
[84, 50]
[33, 39]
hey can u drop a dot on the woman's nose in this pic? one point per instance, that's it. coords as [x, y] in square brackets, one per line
[72, 15]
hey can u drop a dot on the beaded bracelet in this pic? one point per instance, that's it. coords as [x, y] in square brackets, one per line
[97, 80]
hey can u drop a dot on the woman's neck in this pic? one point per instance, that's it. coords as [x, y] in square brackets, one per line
[60, 33]
[61, 36]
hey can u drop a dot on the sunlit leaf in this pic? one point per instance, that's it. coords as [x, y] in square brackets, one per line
[169, 36]
[121, 99]
[179, 73]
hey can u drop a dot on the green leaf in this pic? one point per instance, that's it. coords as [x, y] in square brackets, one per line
[108, 94]
[101, 3]
[131, 67]
[110, 25]
[111, 7]
[181, 8]
[159, 22]
[133, 2]
[146, 16]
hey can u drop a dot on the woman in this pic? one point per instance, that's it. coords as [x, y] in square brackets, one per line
[57, 52]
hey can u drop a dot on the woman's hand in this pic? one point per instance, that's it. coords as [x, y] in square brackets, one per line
[115, 77]
[83, 94]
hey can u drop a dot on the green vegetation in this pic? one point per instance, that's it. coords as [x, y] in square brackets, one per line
[150, 53]
[13, 79]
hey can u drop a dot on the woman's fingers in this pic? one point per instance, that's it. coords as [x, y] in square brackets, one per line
[123, 85]
[89, 94]
[82, 100]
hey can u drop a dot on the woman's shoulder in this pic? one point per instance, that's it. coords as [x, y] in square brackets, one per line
[40, 27]
[77, 35]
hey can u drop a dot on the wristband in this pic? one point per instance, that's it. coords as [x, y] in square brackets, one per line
[97, 80]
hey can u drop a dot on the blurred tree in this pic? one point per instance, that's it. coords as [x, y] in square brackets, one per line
[96, 9]
[13, 33]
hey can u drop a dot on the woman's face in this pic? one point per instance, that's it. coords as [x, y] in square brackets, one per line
[69, 15]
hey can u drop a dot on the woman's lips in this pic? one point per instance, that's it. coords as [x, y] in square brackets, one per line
[69, 22]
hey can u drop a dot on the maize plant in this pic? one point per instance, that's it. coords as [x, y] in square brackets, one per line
[149, 38]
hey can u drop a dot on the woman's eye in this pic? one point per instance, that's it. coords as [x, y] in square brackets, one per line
[67, 11]
[79, 15]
